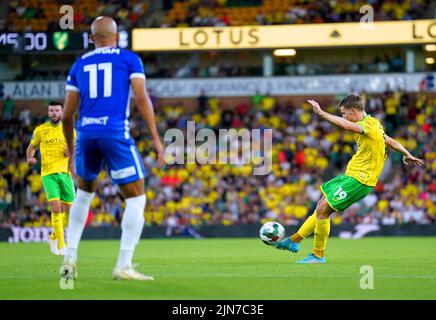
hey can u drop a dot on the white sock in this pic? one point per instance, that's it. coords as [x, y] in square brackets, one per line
[77, 219]
[71, 254]
[125, 259]
[131, 226]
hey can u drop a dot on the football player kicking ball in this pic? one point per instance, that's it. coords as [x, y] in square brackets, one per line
[101, 80]
[359, 179]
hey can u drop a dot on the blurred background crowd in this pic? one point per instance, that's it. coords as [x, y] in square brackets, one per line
[306, 152]
[31, 15]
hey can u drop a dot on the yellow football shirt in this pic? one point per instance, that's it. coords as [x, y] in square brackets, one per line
[51, 141]
[367, 163]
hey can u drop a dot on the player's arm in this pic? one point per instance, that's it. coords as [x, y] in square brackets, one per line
[70, 107]
[337, 121]
[30, 154]
[66, 147]
[408, 159]
[145, 107]
[33, 146]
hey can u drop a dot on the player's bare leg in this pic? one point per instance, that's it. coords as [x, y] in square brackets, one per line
[56, 239]
[77, 219]
[131, 225]
[322, 231]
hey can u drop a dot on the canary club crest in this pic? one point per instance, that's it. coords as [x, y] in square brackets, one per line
[60, 40]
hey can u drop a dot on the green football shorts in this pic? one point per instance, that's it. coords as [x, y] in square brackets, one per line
[342, 191]
[59, 186]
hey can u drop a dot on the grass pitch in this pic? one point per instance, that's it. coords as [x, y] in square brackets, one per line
[404, 268]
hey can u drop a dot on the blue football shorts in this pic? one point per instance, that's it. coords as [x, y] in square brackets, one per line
[121, 157]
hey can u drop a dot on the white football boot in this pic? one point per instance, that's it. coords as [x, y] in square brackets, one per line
[129, 273]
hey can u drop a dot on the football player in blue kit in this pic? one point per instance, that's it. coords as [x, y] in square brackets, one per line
[100, 81]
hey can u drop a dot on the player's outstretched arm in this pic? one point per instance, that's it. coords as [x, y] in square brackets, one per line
[337, 121]
[408, 159]
[71, 104]
[145, 107]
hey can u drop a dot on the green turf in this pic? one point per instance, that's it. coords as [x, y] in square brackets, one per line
[404, 268]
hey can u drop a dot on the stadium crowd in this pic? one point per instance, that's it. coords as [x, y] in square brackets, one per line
[305, 152]
[196, 13]
[35, 15]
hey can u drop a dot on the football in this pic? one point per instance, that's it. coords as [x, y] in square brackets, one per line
[272, 232]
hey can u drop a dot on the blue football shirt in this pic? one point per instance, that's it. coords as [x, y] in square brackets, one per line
[102, 78]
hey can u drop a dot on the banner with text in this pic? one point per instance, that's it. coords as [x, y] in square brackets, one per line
[241, 87]
[283, 36]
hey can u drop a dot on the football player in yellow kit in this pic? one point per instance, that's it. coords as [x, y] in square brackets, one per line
[57, 182]
[359, 179]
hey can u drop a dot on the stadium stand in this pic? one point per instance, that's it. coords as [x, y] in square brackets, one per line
[36, 15]
[288, 194]
[270, 12]
[182, 192]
